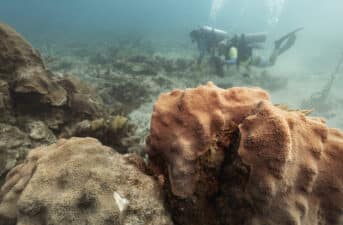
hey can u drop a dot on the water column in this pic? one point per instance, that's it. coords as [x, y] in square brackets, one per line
[275, 8]
[272, 9]
[215, 8]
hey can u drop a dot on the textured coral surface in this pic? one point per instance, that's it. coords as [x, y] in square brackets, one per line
[35, 104]
[231, 157]
[15, 52]
[22, 66]
[74, 182]
[188, 124]
[296, 164]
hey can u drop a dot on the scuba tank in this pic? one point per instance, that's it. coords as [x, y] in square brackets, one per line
[250, 40]
[217, 33]
[254, 38]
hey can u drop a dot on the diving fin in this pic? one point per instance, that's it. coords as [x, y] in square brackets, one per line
[283, 38]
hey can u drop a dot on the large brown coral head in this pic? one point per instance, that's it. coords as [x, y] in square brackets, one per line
[189, 124]
[244, 160]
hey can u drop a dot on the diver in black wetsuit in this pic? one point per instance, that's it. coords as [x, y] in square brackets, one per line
[207, 39]
[239, 51]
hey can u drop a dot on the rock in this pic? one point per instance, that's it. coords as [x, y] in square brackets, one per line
[5, 98]
[37, 81]
[33, 85]
[14, 145]
[79, 181]
[6, 104]
[38, 131]
[15, 53]
[232, 157]
[36, 101]
[23, 67]
[113, 131]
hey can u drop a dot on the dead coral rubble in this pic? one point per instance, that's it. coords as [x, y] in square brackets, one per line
[80, 181]
[231, 157]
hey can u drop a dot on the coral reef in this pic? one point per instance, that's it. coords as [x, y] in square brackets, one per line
[36, 105]
[129, 76]
[221, 156]
[231, 157]
[14, 145]
[80, 181]
[28, 88]
[187, 124]
[22, 66]
[113, 131]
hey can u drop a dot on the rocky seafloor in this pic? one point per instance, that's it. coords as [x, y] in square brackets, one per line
[85, 139]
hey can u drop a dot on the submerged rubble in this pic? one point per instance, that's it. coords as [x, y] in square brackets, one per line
[231, 157]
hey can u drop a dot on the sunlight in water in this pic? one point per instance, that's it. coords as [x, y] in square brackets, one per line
[215, 8]
[275, 8]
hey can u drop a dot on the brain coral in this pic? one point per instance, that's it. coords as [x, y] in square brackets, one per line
[232, 157]
[80, 181]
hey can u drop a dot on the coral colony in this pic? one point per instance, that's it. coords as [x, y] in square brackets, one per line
[212, 156]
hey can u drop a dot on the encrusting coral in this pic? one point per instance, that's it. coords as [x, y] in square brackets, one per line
[80, 181]
[232, 157]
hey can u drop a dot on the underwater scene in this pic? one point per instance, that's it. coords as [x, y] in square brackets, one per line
[170, 112]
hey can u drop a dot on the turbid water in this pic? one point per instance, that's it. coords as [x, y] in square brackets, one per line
[58, 27]
[227, 157]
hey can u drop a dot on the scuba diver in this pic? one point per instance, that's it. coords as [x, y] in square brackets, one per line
[239, 50]
[207, 39]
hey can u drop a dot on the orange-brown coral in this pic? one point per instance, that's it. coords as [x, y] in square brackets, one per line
[80, 181]
[235, 158]
[296, 167]
[189, 124]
